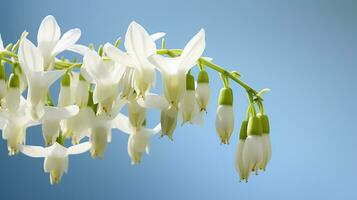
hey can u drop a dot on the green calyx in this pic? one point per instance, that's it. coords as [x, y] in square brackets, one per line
[190, 82]
[226, 96]
[14, 81]
[255, 126]
[265, 123]
[243, 130]
[66, 80]
[2, 71]
[203, 77]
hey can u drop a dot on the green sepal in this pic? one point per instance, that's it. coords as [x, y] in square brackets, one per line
[60, 139]
[2, 71]
[190, 82]
[203, 77]
[100, 50]
[66, 80]
[14, 81]
[226, 96]
[91, 102]
[265, 123]
[243, 130]
[81, 77]
[255, 126]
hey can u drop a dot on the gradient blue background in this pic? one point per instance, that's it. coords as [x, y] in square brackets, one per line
[305, 51]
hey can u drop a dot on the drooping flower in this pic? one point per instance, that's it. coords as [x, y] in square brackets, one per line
[188, 106]
[13, 94]
[241, 168]
[105, 74]
[266, 143]
[39, 80]
[225, 115]
[50, 42]
[203, 92]
[15, 125]
[56, 157]
[253, 152]
[138, 141]
[51, 121]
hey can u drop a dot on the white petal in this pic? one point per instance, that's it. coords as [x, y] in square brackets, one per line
[119, 56]
[79, 148]
[78, 48]
[49, 31]
[58, 113]
[165, 64]
[32, 151]
[193, 50]
[122, 123]
[30, 57]
[157, 36]
[138, 42]
[68, 39]
[153, 131]
[49, 77]
[153, 101]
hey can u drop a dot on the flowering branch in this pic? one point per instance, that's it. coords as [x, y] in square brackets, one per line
[93, 92]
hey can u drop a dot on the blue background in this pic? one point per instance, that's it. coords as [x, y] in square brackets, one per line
[305, 51]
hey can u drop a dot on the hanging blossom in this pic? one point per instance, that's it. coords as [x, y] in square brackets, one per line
[94, 91]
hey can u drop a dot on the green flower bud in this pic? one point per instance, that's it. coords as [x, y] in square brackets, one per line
[243, 130]
[14, 81]
[66, 80]
[190, 82]
[265, 123]
[226, 97]
[203, 77]
[255, 126]
[2, 71]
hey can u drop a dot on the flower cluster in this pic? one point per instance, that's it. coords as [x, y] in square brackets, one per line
[94, 91]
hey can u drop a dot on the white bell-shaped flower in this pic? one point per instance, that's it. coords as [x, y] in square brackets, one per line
[253, 151]
[266, 143]
[138, 141]
[51, 121]
[15, 125]
[105, 74]
[50, 42]
[203, 91]
[239, 164]
[225, 115]
[137, 114]
[77, 127]
[174, 70]
[81, 92]
[39, 80]
[188, 106]
[100, 135]
[56, 157]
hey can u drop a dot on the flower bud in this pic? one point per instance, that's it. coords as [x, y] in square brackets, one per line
[13, 96]
[188, 104]
[225, 115]
[266, 143]
[203, 92]
[240, 166]
[65, 96]
[82, 95]
[168, 120]
[253, 152]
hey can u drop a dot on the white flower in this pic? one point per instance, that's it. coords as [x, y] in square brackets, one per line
[50, 42]
[13, 94]
[203, 92]
[56, 157]
[241, 168]
[173, 70]
[225, 115]
[78, 126]
[39, 80]
[105, 73]
[139, 46]
[51, 121]
[15, 125]
[81, 92]
[266, 143]
[253, 152]
[138, 141]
